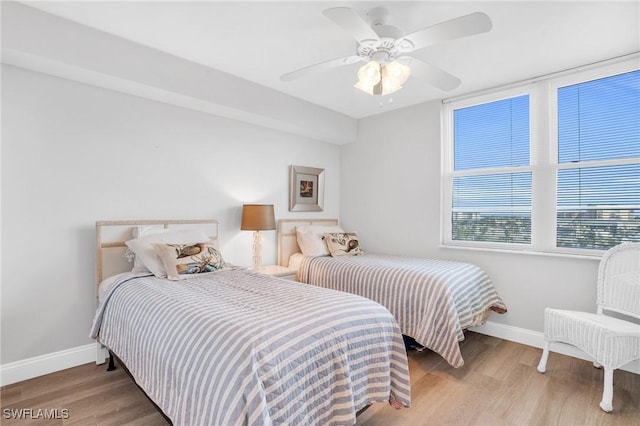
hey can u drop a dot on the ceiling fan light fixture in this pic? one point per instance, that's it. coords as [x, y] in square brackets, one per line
[369, 73]
[388, 86]
[396, 71]
[369, 77]
[377, 79]
[365, 87]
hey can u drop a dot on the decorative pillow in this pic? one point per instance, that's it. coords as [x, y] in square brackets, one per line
[343, 244]
[190, 258]
[146, 257]
[310, 239]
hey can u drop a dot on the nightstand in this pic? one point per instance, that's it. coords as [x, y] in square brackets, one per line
[278, 271]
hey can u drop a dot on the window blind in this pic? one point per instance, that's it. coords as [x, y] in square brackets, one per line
[598, 179]
[491, 195]
[490, 135]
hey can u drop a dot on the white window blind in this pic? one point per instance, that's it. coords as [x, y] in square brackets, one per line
[550, 166]
[598, 177]
[491, 179]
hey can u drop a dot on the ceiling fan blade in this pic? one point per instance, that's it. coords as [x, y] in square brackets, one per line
[475, 23]
[349, 20]
[432, 74]
[322, 66]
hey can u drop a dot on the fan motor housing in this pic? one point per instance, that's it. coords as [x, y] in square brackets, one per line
[387, 47]
[384, 50]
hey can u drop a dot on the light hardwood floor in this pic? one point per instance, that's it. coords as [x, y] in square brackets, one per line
[498, 385]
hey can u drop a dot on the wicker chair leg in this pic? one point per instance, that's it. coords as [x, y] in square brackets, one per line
[607, 394]
[542, 366]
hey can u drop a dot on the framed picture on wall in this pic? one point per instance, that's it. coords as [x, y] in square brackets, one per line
[307, 189]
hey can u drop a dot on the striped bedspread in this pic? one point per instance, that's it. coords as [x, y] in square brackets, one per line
[432, 300]
[239, 348]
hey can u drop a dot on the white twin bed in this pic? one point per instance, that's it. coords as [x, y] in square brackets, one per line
[234, 346]
[433, 300]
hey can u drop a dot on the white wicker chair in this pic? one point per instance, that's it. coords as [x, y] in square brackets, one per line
[611, 342]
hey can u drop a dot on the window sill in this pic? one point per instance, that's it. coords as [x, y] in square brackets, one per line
[597, 255]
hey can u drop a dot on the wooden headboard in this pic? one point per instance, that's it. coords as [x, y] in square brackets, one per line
[287, 241]
[111, 235]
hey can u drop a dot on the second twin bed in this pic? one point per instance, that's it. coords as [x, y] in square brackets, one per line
[433, 300]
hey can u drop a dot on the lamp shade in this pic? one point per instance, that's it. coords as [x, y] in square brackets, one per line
[257, 217]
[396, 71]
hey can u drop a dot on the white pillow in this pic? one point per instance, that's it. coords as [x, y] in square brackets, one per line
[146, 255]
[141, 231]
[310, 239]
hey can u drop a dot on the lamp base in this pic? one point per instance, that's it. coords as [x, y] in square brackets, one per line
[257, 250]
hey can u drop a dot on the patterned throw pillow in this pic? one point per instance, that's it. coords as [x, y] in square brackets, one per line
[343, 243]
[184, 259]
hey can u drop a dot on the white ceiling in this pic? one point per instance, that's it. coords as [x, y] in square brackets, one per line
[259, 41]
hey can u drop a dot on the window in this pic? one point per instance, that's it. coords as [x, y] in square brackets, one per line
[598, 186]
[491, 188]
[552, 166]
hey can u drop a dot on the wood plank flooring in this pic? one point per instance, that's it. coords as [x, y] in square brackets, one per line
[498, 385]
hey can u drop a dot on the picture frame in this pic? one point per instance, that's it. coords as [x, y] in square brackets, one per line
[306, 193]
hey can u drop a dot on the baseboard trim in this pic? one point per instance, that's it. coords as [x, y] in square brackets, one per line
[29, 368]
[37, 366]
[536, 339]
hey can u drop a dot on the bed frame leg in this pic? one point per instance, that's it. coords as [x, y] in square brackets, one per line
[112, 364]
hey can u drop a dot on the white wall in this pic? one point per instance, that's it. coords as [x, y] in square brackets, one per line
[38, 41]
[391, 196]
[73, 154]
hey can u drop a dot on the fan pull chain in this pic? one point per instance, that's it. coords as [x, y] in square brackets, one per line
[381, 105]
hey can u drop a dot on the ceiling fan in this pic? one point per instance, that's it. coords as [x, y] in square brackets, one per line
[384, 49]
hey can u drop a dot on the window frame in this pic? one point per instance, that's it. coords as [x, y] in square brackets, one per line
[544, 166]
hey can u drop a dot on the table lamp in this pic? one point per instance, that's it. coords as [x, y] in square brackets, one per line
[257, 218]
